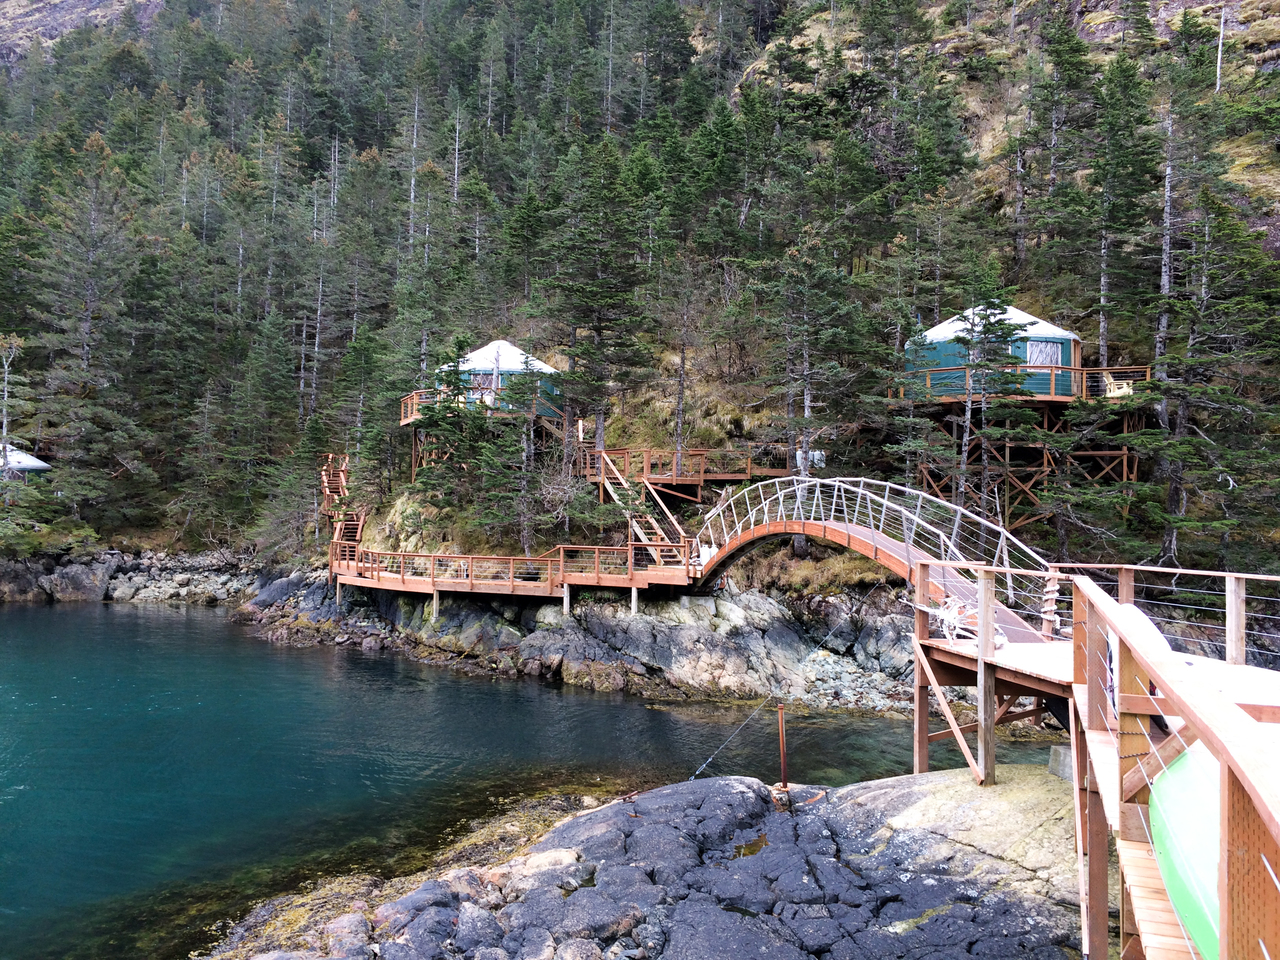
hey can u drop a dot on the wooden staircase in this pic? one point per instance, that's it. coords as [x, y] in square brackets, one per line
[348, 525]
[658, 532]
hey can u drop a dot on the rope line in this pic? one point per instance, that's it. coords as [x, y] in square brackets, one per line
[773, 694]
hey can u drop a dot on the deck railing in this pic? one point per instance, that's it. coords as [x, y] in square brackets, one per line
[587, 565]
[1225, 615]
[687, 467]
[1129, 674]
[411, 405]
[1045, 381]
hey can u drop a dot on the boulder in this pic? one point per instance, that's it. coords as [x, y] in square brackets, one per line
[476, 928]
[80, 581]
[884, 646]
[277, 590]
[20, 581]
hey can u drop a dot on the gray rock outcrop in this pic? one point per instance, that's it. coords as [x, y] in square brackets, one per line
[20, 581]
[81, 581]
[745, 646]
[725, 868]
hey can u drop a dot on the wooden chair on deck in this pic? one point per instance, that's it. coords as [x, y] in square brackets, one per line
[1116, 388]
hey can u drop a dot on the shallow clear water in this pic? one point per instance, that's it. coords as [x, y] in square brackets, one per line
[160, 769]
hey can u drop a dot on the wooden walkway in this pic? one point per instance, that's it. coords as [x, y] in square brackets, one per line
[1107, 672]
[1031, 637]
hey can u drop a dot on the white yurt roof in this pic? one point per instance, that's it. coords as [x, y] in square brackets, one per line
[503, 355]
[1033, 327]
[23, 462]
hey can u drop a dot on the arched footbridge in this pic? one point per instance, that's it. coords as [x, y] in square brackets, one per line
[990, 613]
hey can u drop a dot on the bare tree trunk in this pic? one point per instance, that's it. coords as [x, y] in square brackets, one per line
[1222, 29]
[608, 87]
[791, 396]
[1161, 371]
[1019, 206]
[1104, 286]
[962, 474]
[413, 174]
[457, 145]
[679, 465]
[525, 507]
[1170, 469]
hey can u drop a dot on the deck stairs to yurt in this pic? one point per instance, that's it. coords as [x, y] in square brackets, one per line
[654, 530]
[333, 482]
[348, 525]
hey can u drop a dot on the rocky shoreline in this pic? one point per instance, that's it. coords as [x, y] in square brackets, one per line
[725, 868]
[833, 652]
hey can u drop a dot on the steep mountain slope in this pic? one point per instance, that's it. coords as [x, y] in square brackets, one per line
[23, 21]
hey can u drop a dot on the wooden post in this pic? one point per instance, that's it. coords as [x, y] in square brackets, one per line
[635, 601]
[921, 726]
[986, 677]
[1096, 668]
[565, 588]
[1079, 636]
[1097, 935]
[1134, 740]
[1236, 596]
[1248, 897]
[1124, 585]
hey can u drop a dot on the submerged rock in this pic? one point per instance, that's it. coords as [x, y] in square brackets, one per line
[927, 866]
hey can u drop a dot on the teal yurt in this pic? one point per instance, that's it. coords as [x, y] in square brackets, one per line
[486, 372]
[1039, 347]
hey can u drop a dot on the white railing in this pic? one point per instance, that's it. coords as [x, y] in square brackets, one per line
[927, 526]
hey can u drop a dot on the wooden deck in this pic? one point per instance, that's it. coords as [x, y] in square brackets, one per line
[1117, 752]
[638, 565]
[1041, 383]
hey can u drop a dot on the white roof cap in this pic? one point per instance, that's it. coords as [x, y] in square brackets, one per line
[23, 462]
[1032, 327]
[503, 355]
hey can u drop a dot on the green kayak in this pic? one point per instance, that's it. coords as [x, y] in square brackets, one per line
[1185, 828]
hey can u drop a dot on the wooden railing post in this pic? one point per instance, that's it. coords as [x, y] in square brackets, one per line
[986, 676]
[1124, 585]
[1096, 668]
[1079, 636]
[921, 718]
[1236, 597]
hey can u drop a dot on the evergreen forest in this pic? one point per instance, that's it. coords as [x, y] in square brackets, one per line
[233, 234]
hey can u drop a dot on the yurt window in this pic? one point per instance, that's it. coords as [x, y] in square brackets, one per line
[1044, 353]
[989, 351]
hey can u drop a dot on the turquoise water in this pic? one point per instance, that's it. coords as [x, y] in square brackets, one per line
[161, 770]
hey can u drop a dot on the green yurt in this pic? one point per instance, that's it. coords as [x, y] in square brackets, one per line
[1040, 346]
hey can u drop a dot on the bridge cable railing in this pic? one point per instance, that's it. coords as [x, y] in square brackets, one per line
[926, 526]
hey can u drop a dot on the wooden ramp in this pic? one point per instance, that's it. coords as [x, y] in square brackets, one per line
[1116, 673]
